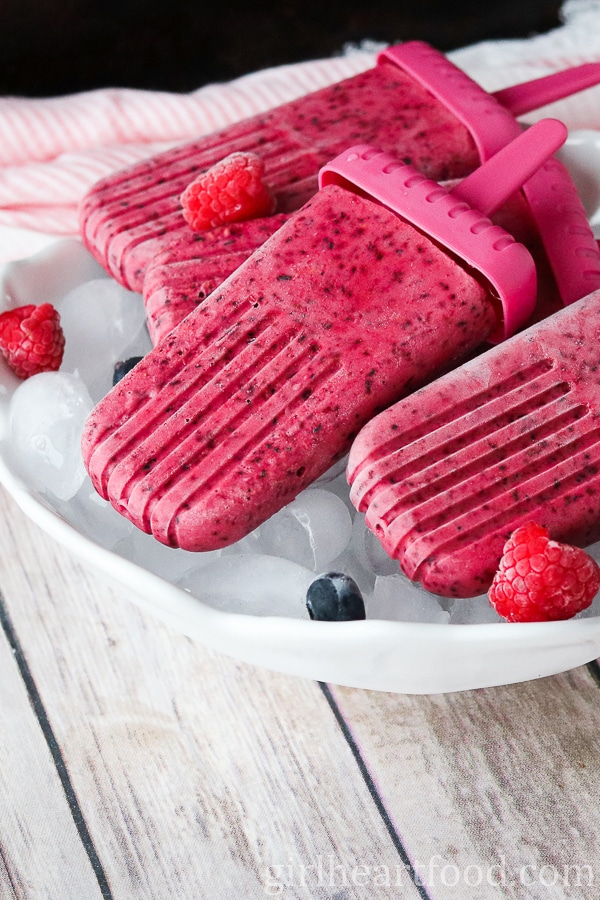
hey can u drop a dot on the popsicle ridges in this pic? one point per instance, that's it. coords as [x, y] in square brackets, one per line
[444, 417]
[154, 467]
[259, 377]
[243, 341]
[210, 464]
[139, 218]
[184, 274]
[436, 492]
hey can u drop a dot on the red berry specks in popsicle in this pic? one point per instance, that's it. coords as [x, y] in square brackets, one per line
[541, 580]
[232, 190]
[32, 339]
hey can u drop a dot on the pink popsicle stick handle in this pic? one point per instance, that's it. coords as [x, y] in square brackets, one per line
[523, 98]
[555, 206]
[488, 187]
[452, 220]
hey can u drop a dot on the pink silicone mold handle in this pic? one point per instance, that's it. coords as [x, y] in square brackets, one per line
[491, 125]
[555, 205]
[523, 98]
[447, 216]
[568, 240]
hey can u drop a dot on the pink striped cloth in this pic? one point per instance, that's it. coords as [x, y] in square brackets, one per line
[52, 150]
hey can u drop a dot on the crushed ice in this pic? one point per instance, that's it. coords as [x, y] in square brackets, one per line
[268, 572]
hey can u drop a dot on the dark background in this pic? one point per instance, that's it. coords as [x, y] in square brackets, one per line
[50, 47]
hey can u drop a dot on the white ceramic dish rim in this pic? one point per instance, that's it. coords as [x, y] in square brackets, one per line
[397, 657]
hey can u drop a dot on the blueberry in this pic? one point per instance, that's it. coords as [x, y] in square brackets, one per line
[335, 597]
[123, 367]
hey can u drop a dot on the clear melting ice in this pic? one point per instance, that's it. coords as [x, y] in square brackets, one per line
[103, 323]
[46, 417]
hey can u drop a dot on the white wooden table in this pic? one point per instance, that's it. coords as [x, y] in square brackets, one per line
[134, 763]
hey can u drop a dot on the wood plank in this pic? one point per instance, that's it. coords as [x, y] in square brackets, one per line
[505, 778]
[198, 776]
[35, 848]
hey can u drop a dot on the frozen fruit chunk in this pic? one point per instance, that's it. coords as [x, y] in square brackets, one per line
[233, 190]
[32, 339]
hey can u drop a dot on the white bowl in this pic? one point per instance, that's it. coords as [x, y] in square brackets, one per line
[391, 656]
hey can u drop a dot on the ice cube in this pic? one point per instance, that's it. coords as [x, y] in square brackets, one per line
[312, 530]
[169, 562]
[248, 544]
[333, 472]
[473, 611]
[252, 584]
[46, 417]
[369, 549]
[93, 516]
[103, 323]
[348, 563]
[339, 486]
[395, 597]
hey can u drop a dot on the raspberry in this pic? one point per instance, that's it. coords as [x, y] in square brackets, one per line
[541, 580]
[230, 191]
[31, 339]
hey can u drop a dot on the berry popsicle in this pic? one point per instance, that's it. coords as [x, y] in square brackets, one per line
[194, 263]
[447, 474]
[184, 274]
[380, 281]
[414, 104]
